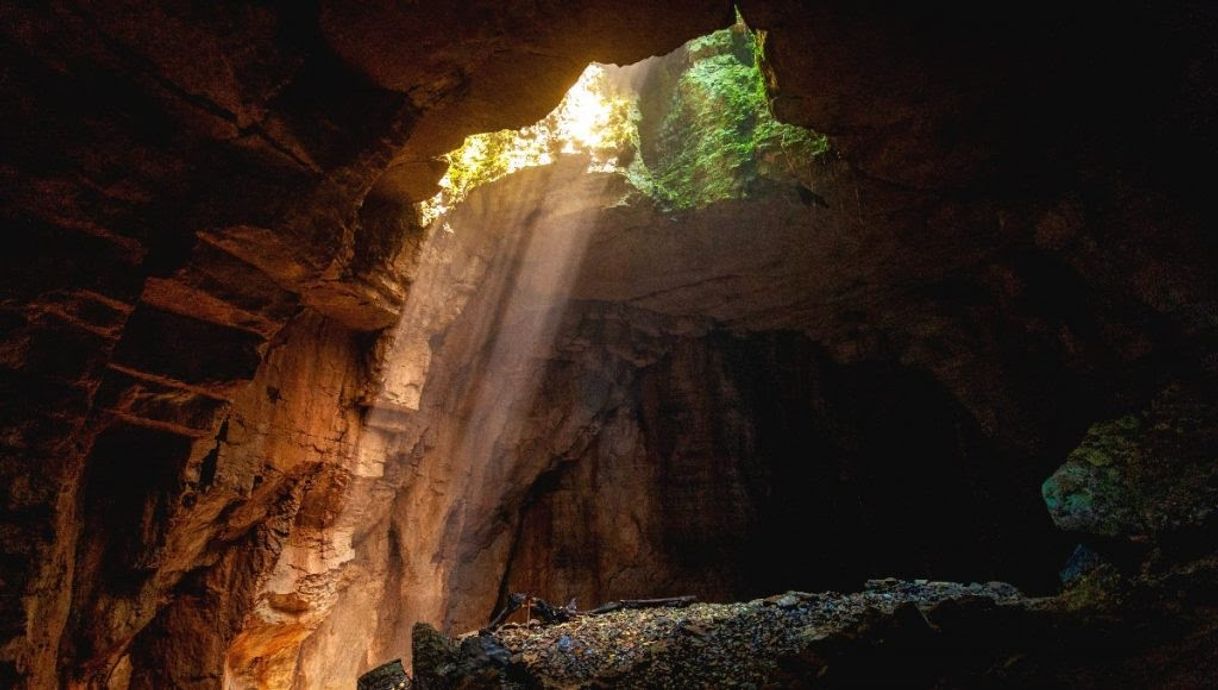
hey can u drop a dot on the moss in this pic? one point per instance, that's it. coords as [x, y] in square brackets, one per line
[593, 119]
[716, 135]
[700, 131]
[482, 158]
[1145, 473]
[725, 42]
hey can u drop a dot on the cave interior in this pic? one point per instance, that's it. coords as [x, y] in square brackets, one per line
[334, 332]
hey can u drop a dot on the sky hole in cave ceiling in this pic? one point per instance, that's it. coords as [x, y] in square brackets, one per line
[685, 130]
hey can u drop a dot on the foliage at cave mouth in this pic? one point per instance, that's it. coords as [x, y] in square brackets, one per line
[685, 130]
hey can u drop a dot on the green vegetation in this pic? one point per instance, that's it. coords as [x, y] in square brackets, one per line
[699, 131]
[1145, 473]
[591, 120]
[715, 134]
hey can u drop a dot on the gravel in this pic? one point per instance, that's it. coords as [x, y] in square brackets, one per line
[710, 645]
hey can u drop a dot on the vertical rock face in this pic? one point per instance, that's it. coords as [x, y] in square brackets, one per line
[255, 424]
[746, 465]
[255, 517]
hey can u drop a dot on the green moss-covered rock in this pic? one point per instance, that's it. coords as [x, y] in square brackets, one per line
[1142, 474]
[697, 130]
[706, 131]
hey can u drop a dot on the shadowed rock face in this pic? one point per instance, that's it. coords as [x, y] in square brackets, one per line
[205, 469]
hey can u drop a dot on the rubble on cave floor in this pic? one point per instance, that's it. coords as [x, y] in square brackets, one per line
[753, 644]
[1149, 630]
[722, 645]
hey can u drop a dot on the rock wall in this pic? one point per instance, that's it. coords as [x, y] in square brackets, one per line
[746, 465]
[186, 180]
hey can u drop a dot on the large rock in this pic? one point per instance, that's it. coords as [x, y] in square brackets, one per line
[1147, 474]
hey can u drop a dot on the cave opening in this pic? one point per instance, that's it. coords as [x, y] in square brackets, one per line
[685, 129]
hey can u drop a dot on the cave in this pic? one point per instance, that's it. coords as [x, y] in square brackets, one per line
[776, 343]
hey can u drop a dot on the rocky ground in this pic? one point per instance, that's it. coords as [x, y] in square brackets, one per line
[721, 645]
[1106, 630]
[779, 641]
